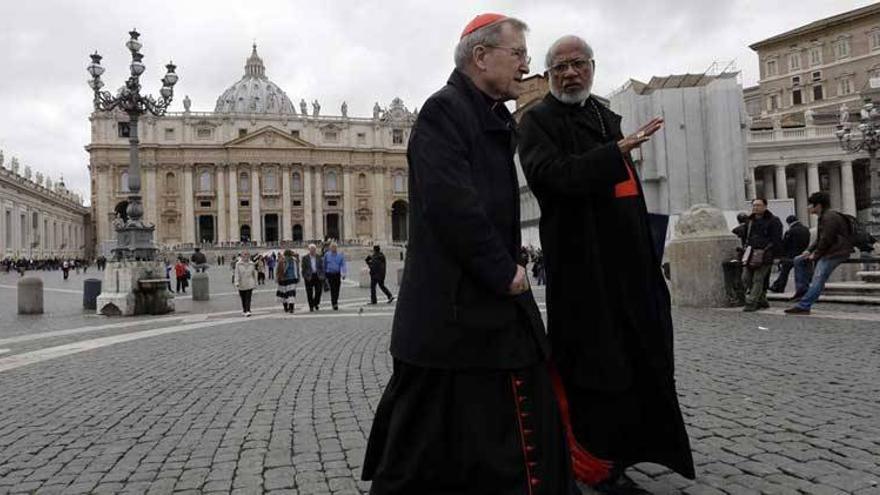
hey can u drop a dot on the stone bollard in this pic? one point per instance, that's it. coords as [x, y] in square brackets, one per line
[91, 291]
[30, 296]
[364, 279]
[702, 242]
[200, 287]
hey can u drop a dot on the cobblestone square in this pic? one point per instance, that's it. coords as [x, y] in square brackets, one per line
[205, 400]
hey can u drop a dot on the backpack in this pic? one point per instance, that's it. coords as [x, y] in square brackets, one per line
[858, 234]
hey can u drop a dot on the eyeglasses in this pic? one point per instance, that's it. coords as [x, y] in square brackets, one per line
[578, 65]
[521, 53]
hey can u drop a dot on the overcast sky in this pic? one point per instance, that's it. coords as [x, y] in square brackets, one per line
[359, 51]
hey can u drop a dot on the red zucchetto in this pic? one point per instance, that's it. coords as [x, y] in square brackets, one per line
[480, 21]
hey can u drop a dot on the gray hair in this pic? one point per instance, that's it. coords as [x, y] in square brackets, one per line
[486, 36]
[583, 45]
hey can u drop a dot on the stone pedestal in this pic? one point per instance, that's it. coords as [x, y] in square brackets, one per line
[364, 278]
[700, 245]
[200, 287]
[30, 296]
[135, 288]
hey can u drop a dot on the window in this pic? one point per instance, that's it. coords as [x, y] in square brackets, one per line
[397, 136]
[816, 55]
[205, 181]
[294, 134]
[170, 183]
[794, 61]
[205, 204]
[123, 182]
[818, 93]
[773, 102]
[331, 136]
[875, 39]
[844, 86]
[796, 81]
[204, 133]
[399, 183]
[797, 98]
[297, 182]
[169, 134]
[817, 76]
[330, 182]
[269, 182]
[244, 182]
[297, 202]
[362, 138]
[245, 203]
[123, 130]
[841, 48]
[332, 203]
[242, 132]
[362, 181]
[771, 68]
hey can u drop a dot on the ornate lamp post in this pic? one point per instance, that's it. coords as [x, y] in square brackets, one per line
[866, 139]
[134, 238]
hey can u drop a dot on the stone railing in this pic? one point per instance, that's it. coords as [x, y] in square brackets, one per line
[793, 134]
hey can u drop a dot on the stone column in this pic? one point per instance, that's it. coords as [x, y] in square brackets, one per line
[379, 213]
[286, 217]
[256, 221]
[753, 190]
[813, 186]
[768, 183]
[222, 212]
[102, 207]
[848, 190]
[834, 184]
[319, 202]
[800, 191]
[3, 240]
[308, 217]
[151, 202]
[234, 235]
[348, 230]
[781, 183]
[189, 215]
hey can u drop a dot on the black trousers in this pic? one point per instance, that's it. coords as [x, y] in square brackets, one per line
[785, 266]
[374, 281]
[181, 284]
[246, 299]
[314, 287]
[335, 280]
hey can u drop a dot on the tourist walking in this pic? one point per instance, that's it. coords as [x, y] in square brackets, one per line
[261, 269]
[833, 245]
[469, 408]
[244, 279]
[336, 270]
[377, 264]
[312, 270]
[794, 242]
[763, 242]
[65, 269]
[287, 276]
[609, 313]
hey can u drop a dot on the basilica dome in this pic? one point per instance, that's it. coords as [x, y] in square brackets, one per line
[254, 93]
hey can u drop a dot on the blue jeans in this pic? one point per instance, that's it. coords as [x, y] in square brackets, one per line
[811, 281]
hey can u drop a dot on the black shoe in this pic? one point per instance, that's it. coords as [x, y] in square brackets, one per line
[764, 305]
[286, 309]
[372, 303]
[750, 309]
[797, 296]
[335, 308]
[311, 309]
[797, 310]
[390, 299]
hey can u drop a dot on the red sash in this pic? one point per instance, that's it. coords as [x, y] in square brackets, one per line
[627, 188]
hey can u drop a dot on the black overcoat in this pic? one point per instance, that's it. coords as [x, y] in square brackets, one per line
[609, 319]
[453, 309]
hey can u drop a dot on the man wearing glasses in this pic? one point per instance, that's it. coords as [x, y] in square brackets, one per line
[609, 319]
[469, 408]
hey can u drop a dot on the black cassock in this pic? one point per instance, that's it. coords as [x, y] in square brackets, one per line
[609, 320]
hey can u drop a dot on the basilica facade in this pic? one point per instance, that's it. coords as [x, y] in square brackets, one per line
[257, 169]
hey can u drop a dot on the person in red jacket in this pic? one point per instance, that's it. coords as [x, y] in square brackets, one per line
[180, 272]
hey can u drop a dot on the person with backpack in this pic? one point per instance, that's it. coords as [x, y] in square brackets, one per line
[287, 277]
[834, 243]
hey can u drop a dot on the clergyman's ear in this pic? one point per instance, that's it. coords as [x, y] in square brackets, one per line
[478, 55]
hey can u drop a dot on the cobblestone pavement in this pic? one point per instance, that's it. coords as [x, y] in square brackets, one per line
[208, 401]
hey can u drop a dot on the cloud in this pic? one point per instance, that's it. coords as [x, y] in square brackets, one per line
[355, 51]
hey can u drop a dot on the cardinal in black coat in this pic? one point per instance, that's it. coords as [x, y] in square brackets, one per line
[609, 320]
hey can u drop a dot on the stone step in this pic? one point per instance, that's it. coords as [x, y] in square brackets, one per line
[869, 276]
[852, 288]
[827, 298]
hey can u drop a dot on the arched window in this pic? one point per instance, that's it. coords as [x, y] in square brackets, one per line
[244, 183]
[170, 182]
[297, 182]
[123, 182]
[362, 181]
[399, 183]
[205, 181]
[330, 182]
[269, 183]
